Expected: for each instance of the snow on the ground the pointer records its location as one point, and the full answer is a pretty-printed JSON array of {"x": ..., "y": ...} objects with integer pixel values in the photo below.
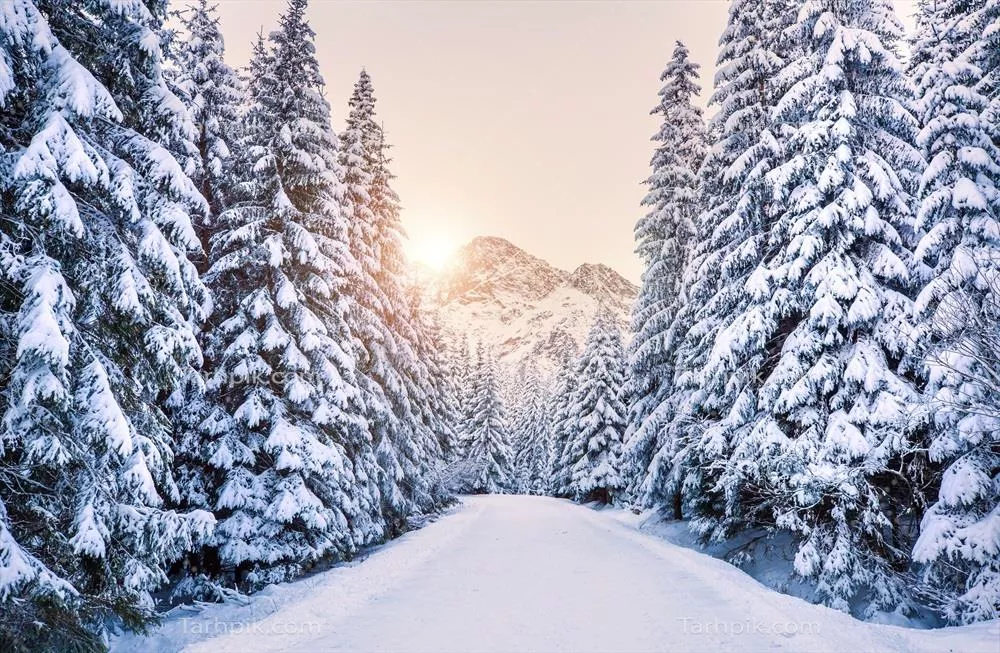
[
  {"x": 515, "y": 573},
  {"x": 767, "y": 558},
  {"x": 334, "y": 593}
]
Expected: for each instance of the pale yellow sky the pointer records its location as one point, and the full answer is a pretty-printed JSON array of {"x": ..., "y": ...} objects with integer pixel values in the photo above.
[{"x": 526, "y": 120}]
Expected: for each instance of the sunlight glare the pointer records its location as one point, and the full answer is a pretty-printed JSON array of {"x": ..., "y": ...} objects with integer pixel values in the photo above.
[{"x": 433, "y": 250}]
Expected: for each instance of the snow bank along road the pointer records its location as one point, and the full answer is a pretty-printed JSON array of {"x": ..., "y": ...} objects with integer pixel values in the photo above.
[{"x": 515, "y": 573}]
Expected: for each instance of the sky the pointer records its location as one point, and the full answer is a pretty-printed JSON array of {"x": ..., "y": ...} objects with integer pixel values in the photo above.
[{"x": 521, "y": 119}]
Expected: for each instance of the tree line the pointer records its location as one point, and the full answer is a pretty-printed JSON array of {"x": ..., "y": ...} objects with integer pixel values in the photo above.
[
  {"x": 814, "y": 345},
  {"x": 213, "y": 366},
  {"x": 214, "y": 372},
  {"x": 811, "y": 353}
]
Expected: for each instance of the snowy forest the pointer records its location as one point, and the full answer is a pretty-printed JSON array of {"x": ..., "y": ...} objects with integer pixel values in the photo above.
[{"x": 216, "y": 373}]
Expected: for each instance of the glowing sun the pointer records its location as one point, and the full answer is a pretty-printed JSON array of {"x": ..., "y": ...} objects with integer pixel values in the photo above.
[{"x": 432, "y": 249}]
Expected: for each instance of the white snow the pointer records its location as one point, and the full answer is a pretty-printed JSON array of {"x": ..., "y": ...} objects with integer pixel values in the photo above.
[{"x": 517, "y": 573}]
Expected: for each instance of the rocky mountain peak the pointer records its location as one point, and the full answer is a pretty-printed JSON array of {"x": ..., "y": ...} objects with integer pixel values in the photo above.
[
  {"x": 525, "y": 308},
  {"x": 603, "y": 283},
  {"x": 488, "y": 266}
]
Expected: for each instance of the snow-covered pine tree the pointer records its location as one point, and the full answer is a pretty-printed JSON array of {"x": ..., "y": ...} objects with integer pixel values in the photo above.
[
  {"x": 817, "y": 416},
  {"x": 518, "y": 408},
  {"x": 447, "y": 383},
  {"x": 537, "y": 471},
  {"x": 381, "y": 318},
  {"x": 753, "y": 48},
  {"x": 959, "y": 533},
  {"x": 213, "y": 94},
  {"x": 732, "y": 240},
  {"x": 563, "y": 428},
  {"x": 664, "y": 239},
  {"x": 435, "y": 395},
  {"x": 97, "y": 310},
  {"x": 489, "y": 447},
  {"x": 462, "y": 367},
  {"x": 283, "y": 434},
  {"x": 959, "y": 543},
  {"x": 459, "y": 470},
  {"x": 600, "y": 414},
  {"x": 530, "y": 434},
  {"x": 985, "y": 53}
]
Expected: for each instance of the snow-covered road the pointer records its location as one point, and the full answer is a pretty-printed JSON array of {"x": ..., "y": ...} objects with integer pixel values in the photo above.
[{"x": 514, "y": 573}]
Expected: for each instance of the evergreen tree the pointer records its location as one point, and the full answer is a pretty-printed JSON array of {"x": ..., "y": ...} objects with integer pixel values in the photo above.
[
  {"x": 958, "y": 217},
  {"x": 213, "y": 95},
  {"x": 663, "y": 241},
  {"x": 463, "y": 370},
  {"x": 278, "y": 444},
  {"x": 435, "y": 395},
  {"x": 98, "y": 303},
  {"x": 985, "y": 53},
  {"x": 537, "y": 470},
  {"x": 489, "y": 440},
  {"x": 959, "y": 533},
  {"x": 818, "y": 412},
  {"x": 383, "y": 320},
  {"x": 518, "y": 415},
  {"x": 731, "y": 241},
  {"x": 599, "y": 415},
  {"x": 531, "y": 434},
  {"x": 564, "y": 429}
]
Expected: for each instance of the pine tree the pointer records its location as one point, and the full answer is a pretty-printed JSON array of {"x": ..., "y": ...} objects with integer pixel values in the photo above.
[
  {"x": 985, "y": 53},
  {"x": 958, "y": 217},
  {"x": 383, "y": 319},
  {"x": 959, "y": 533},
  {"x": 564, "y": 429},
  {"x": 98, "y": 304},
  {"x": 489, "y": 439},
  {"x": 600, "y": 415},
  {"x": 664, "y": 239},
  {"x": 461, "y": 365},
  {"x": 435, "y": 395},
  {"x": 459, "y": 471},
  {"x": 818, "y": 413},
  {"x": 537, "y": 468},
  {"x": 731, "y": 240},
  {"x": 531, "y": 434},
  {"x": 279, "y": 442},
  {"x": 213, "y": 95}
]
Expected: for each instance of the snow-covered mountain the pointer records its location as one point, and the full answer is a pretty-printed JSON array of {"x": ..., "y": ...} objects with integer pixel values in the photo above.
[{"x": 521, "y": 306}]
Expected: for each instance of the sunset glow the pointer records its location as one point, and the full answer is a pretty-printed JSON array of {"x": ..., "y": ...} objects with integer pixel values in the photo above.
[{"x": 431, "y": 249}]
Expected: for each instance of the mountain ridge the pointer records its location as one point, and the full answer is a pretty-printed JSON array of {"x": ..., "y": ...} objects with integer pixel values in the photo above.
[{"x": 523, "y": 307}]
